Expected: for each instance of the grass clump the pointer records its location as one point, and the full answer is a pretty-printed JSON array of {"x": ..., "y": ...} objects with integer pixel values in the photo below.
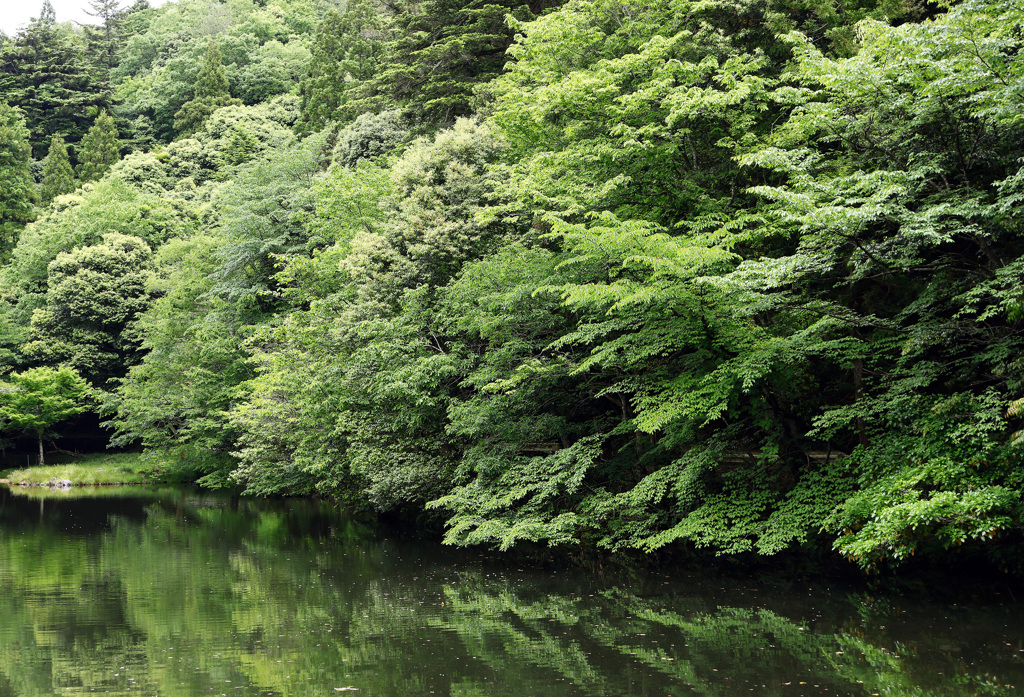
[{"x": 96, "y": 469}]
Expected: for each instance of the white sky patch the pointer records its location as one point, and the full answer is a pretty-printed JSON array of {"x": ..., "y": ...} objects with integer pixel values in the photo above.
[{"x": 15, "y": 14}]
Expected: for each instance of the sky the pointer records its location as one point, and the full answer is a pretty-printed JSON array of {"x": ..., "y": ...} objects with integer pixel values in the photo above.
[{"x": 16, "y": 13}]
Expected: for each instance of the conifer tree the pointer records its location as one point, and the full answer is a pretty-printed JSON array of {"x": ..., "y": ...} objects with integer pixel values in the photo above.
[
  {"x": 347, "y": 51},
  {"x": 58, "y": 177},
  {"x": 16, "y": 186},
  {"x": 133, "y": 19},
  {"x": 103, "y": 41},
  {"x": 44, "y": 73},
  {"x": 99, "y": 149},
  {"x": 442, "y": 50},
  {"x": 212, "y": 93},
  {"x": 240, "y": 148}
]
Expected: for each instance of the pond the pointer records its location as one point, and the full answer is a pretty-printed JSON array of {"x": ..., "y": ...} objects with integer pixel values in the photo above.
[{"x": 175, "y": 592}]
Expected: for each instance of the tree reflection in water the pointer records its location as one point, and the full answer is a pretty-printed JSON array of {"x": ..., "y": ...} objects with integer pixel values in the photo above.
[{"x": 171, "y": 592}]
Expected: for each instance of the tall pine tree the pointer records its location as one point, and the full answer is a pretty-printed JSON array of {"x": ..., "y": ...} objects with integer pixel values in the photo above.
[
  {"x": 58, "y": 177},
  {"x": 45, "y": 74},
  {"x": 441, "y": 51},
  {"x": 16, "y": 186},
  {"x": 103, "y": 41},
  {"x": 99, "y": 149},
  {"x": 212, "y": 93},
  {"x": 347, "y": 51},
  {"x": 133, "y": 19}
]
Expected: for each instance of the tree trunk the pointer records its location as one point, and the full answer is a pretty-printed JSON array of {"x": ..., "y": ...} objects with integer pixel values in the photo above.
[{"x": 41, "y": 463}]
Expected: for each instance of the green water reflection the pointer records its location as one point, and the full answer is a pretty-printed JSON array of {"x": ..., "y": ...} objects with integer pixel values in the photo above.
[{"x": 166, "y": 591}]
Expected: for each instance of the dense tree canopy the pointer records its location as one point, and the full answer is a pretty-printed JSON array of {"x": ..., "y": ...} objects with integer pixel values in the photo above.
[
  {"x": 346, "y": 53},
  {"x": 619, "y": 277},
  {"x": 211, "y": 93}
]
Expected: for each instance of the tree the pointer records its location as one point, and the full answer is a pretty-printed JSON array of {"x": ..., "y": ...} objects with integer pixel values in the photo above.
[
  {"x": 133, "y": 19},
  {"x": 38, "y": 398},
  {"x": 442, "y": 51},
  {"x": 178, "y": 396},
  {"x": 58, "y": 177},
  {"x": 110, "y": 204},
  {"x": 99, "y": 149},
  {"x": 16, "y": 186},
  {"x": 346, "y": 52},
  {"x": 275, "y": 68},
  {"x": 211, "y": 93},
  {"x": 103, "y": 42},
  {"x": 374, "y": 428},
  {"x": 43, "y": 72},
  {"x": 94, "y": 293},
  {"x": 369, "y": 137},
  {"x": 901, "y": 203}
]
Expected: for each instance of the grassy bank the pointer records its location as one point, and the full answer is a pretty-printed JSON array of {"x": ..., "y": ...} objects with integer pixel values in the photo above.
[{"x": 96, "y": 469}]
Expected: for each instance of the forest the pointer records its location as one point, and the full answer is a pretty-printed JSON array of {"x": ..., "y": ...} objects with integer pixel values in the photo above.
[{"x": 625, "y": 278}]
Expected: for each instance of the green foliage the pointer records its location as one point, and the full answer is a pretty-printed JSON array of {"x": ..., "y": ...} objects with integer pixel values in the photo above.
[
  {"x": 93, "y": 294},
  {"x": 882, "y": 195},
  {"x": 99, "y": 149},
  {"x": 43, "y": 72},
  {"x": 370, "y": 341},
  {"x": 274, "y": 69},
  {"x": 711, "y": 357},
  {"x": 215, "y": 290},
  {"x": 440, "y": 52},
  {"x": 443, "y": 186},
  {"x": 264, "y": 210},
  {"x": 346, "y": 52},
  {"x": 737, "y": 276},
  {"x": 34, "y": 400},
  {"x": 143, "y": 172},
  {"x": 264, "y": 53},
  {"x": 174, "y": 401},
  {"x": 16, "y": 187},
  {"x": 211, "y": 93},
  {"x": 102, "y": 43},
  {"x": 370, "y": 136},
  {"x": 58, "y": 177},
  {"x": 958, "y": 484},
  {"x": 82, "y": 219}
]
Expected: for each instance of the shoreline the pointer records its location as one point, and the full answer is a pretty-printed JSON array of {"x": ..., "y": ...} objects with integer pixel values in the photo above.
[
  {"x": 40, "y": 485},
  {"x": 95, "y": 469}
]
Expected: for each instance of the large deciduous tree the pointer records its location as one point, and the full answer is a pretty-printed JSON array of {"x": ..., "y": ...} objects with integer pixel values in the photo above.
[
  {"x": 93, "y": 294},
  {"x": 901, "y": 203},
  {"x": 770, "y": 267}
]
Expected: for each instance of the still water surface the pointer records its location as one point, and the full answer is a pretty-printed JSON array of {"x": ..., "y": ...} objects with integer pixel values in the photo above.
[{"x": 174, "y": 592}]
